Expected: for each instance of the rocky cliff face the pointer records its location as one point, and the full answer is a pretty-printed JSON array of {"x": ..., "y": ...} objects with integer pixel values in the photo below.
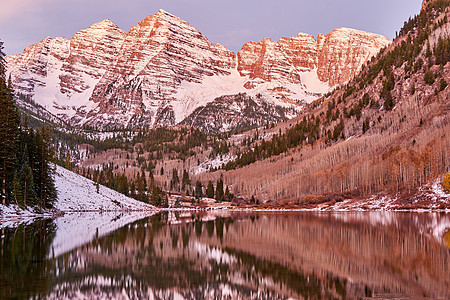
[
  {"x": 61, "y": 74},
  {"x": 335, "y": 58},
  {"x": 91, "y": 51},
  {"x": 32, "y": 68},
  {"x": 163, "y": 69},
  {"x": 158, "y": 54},
  {"x": 236, "y": 112}
]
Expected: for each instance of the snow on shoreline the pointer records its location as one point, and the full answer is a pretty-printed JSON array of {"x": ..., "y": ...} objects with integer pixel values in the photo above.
[
  {"x": 87, "y": 214},
  {"x": 75, "y": 194}
]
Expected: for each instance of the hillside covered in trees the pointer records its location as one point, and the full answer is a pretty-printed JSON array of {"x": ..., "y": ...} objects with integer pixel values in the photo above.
[{"x": 386, "y": 131}]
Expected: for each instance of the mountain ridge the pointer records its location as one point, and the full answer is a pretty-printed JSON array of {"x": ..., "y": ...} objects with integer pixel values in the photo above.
[{"x": 162, "y": 69}]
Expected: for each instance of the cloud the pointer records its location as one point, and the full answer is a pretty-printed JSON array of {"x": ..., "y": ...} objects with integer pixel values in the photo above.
[{"x": 11, "y": 9}]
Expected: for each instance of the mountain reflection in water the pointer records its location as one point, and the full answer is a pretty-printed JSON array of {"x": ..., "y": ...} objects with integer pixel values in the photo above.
[{"x": 237, "y": 255}]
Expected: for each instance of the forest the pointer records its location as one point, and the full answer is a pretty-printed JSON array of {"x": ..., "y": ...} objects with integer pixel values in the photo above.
[{"x": 25, "y": 155}]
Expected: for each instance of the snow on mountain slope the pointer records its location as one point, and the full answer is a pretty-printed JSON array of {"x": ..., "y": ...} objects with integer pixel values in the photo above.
[
  {"x": 76, "y": 193},
  {"x": 61, "y": 74},
  {"x": 334, "y": 59},
  {"x": 281, "y": 92},
  {"x": 163, "y": 69}
]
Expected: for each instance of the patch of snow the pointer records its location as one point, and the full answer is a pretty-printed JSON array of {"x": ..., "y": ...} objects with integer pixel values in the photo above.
[
  {"x": 217, "y": 162},
  {"x": 190, "y": 96},
  {"x": 76, "y": 193},
  {"x": 439, "y": 192}
]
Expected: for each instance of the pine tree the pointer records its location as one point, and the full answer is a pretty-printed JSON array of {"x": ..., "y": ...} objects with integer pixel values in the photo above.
[
  {"x": 228, "y": 195},
  {"x": 144, "y": 179},
  {"x": 9, "y": 132},
  {"x": 68, "y": 163},
  {"x": 219, "y": 191},
  {"x": 198, "y": 190},
  {"x": 141, "y": 189},
  {"x": 18, "y": 190},
  {"x": 29, "y": 195},
  {"x": 186, "y": 180},
  {"x": 174, "y": 182},
  {"x": 46, "y": 185},
  {"x": 366, "y": 125},
  {"x": 210, "y": 190},
  {"x": 156, "y": 197}
]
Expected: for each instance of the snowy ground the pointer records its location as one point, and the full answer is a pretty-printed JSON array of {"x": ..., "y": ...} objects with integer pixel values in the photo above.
[
  {"x": 217, "y": 162},
  {"x": 87, "y": 214},
  {"x": 75, "y": 194}
]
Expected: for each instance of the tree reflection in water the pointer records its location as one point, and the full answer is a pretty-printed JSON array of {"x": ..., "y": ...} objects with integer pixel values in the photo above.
[
  {"x": 255, "y": 255},
  {"x": 25, "y": 270}
]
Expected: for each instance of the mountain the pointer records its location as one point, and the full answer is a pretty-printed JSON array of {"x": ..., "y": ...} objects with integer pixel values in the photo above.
[
  {"x": 225, "y": 114},
  {"x": 61, "y": 74},
  {"x": 334, "y": 59},
  {"x": 163, "y": 69}
]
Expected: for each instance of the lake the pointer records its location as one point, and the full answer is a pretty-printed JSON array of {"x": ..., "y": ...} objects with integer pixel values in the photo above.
[{"x": 228, "y": 255}]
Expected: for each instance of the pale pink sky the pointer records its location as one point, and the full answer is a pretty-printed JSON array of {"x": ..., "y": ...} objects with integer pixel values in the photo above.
[{"x": 229, "y": 22}]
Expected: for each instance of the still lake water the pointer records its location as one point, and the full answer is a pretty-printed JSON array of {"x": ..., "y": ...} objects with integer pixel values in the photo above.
[{"x": 229, "y": 255}]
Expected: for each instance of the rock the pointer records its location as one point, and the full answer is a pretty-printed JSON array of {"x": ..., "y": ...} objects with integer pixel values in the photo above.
[
  {"x": 336, "y": 57},
  {"x": 163, "y": 69}
]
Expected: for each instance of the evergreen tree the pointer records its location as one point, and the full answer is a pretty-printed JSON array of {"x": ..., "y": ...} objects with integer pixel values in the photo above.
[
  {"x": 156, "y": 197},
  {"x": 132, "y": 190},
  {"x": 198, "y": 190},
  {"x": 174, "y": 182},
  {"x": 122, "y": 184},
  {"x": 144, "y": 179},
  {"x": 186, "y": 180},
  {"x": 45, "y": 185},
  {"x": 29, "y": 195},
  {"x": 219, "y": 191},
  {"x": 141, "y": 196},
  {"x": 429, "y": 77},
  {"x": 228, "y": 195},
  {"x": 210, "y": 190},
  {"x": 18, "y": 190},
  {"x": 9, "y": 133},
  {"x": 366, "y": 125},
  {"x": 68, "y": 163}
]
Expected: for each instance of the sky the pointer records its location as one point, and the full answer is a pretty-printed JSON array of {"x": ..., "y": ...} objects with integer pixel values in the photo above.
[{"x": 229, "y": 22}]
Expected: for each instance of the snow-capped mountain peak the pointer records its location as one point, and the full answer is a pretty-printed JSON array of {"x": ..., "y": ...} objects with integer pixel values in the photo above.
[{"x": 163, "y": 69}]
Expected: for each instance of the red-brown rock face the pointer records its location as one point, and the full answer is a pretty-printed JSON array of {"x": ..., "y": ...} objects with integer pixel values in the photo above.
[
  {"x": 338, "y": 56},
  {"x": 60, "y": 74},
  {"x": 158, "y": 54},
  {"x": 91, "y": 51},
  {"x": 31, "y": 69},
  {"x": 285, "y": 59},
  {"x": 163, "y": 69}
]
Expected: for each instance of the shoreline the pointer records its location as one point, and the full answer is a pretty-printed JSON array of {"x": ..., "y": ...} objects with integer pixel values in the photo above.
[{"x": 215, "y": 209}]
